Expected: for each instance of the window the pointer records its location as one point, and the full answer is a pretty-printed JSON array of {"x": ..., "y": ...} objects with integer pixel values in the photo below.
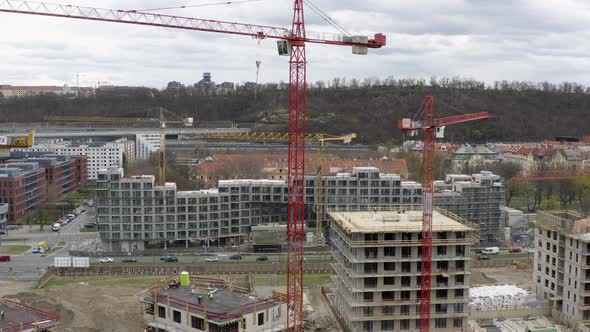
[
  {"x": 261, "y": 318},
  {"x": 161, "y": 312},
  {"x": 176, "y": 316},
  {"x": 440, "y": 323},
  {"x": 457, "y": 322},
  {"x": 404, "y": 324},
  {"x": 387, "y": 325}
]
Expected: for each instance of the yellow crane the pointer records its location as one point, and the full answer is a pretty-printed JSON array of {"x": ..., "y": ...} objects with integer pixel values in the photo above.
[
  {"x": 17, "y": 142},
  {"x": 188, "y": 122},
  {"x": 319, "y": 138}
]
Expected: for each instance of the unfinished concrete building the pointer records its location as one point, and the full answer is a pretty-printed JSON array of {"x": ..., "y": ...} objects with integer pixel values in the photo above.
[
  {"x": 475, "y": 197},
  {"x": 562, "y": 265},
  {"x": 212, "y": 306},
  {"x": 377, "y": 260}
]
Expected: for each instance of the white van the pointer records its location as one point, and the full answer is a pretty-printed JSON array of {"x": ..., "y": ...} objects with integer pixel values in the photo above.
[
  {"x": 491, "y": 251},
  {"x": 56, "y": 227}
]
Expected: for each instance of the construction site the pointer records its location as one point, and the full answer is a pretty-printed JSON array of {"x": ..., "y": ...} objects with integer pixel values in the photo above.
[{"x": 383, "y": 253}]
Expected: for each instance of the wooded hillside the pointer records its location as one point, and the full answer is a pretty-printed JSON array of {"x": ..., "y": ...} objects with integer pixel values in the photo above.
[{"x": 522, "y": 111}]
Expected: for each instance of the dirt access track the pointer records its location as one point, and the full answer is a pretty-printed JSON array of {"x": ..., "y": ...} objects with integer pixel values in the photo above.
[{"x": 87, "y": 306}]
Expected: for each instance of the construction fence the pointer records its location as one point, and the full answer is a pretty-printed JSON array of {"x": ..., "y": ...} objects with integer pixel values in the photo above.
[{"x": 272, "y": 268}]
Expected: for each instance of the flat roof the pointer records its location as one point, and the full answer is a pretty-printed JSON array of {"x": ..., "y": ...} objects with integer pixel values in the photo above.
[
  {"x": 394, "y": 221},
  {"x": 16, "y": 314},
  {"x": 226, "y": 305}
]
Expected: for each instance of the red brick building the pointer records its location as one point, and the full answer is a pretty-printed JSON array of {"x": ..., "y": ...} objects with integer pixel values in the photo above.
[
  {"x": 23, "y": 187},
  {"x": 29, "y": 184}
]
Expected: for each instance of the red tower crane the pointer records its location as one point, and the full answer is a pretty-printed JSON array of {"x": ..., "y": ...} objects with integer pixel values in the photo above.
[
  {"x": 292, "y": 43},
  {"x": 432, "y": 128}
]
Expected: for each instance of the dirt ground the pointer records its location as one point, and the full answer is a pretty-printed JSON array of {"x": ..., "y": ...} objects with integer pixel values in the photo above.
[
  {"x": 85, "y": 308},
  {"x": 503, "y": 276},
  {"x": 321, "y": 317}
]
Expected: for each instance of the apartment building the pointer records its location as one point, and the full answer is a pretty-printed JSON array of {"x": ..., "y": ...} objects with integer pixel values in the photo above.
[
  {"x": 146, "y": 144},
  {"x": 133, "y": 211},
  {"x": 100, "y": 155},
  {"x": 23, "y": 187},
  {"x": 215, "y": 308},
  {"x": 3, "y": 217},
  {"x": 377, "y": 264},
  {"x": 10, "y": 91},
  {"x": 63, "y": 174},
  {"x": 562, "y": 265},
  {"x": 475, "y": 197}
]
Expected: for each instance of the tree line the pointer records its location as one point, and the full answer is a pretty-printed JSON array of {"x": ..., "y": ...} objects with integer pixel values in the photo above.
[{"x": 521, "y": 110}]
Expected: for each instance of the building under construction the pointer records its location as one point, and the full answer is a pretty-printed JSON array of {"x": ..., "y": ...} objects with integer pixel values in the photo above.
[
  {"x": 377, "y": 260},
  {"x": 22, "y": 318},
  {"x": 206, "y": 304},
  {"x": 475, "y": 197}
]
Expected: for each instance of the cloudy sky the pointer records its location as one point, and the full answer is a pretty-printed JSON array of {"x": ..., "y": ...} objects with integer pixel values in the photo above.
[{"x": 483, "y": 39}]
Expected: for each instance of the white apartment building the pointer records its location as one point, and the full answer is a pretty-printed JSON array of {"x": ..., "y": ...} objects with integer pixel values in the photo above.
[
  {"x": 146, "y": 144},
  {"x": 100, "y": 155},
  {"x": 562, "y": 266},
  {"x": 3, "y": 216}
]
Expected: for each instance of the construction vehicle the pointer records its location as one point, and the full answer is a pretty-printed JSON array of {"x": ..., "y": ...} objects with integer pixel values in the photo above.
[
  {"x": 319, "y": 138},
  {"x": 187, "y": 122},
  {"x": 432, "y": 128},
  {"x": 291, "y": 43},
  {"x": 7, "y": 142}
]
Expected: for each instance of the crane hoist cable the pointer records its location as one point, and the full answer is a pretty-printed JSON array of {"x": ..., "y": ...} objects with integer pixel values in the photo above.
[{"x": 196, "y": 5}]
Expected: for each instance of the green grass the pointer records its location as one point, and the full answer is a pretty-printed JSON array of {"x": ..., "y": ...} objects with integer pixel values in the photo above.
[
  {"x": 61, "y": 243},
  {"x": 88, "y": 230},
  {"x": 310, "y": 280},
  {"x": 52, "y": 251},
  {"x": 103, "y": 280},
  {"x": 14, "y": 249}
]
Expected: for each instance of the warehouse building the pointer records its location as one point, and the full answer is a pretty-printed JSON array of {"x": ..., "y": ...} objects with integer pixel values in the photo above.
[
  {"x": 562, "y": 265},
  {"x": 377, "y": 260}
]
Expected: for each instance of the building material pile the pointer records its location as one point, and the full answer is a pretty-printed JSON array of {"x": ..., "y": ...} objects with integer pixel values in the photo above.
[{"x": 497, "y": 297}]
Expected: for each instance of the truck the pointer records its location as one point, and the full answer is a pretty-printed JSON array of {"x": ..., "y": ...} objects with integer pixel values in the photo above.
[
  {"x": 42, "y": 245},
  {"x": 490, "y": 251}
]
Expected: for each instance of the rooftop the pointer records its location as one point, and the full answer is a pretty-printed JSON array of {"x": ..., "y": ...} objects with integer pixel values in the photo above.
[
  {"x": 19, "y": 317},
  {"x": 223, "y": 306},
  {"x": 394, "y": 221}
]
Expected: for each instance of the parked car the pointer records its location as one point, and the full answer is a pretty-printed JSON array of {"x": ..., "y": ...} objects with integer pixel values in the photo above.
[
  {"x": 169, "y": 259},
  {"x": 36, "y": 250},
  {"x": 483, "y": 258},
  {"x": 106, "y": 260},
  {"x": 56, "y": 227},
  {"x": 491, "y": 251},
  {"x": 235, "y": 257},
  {"x": 261, "y": 258},
  {"x": 4, "y": 258},
  {"x": 211, "y": 259},
  {"x": 60, "y": 221},
  {"x": 515, "y": 250},
  {"x": 129, "y": 260},
  {"x": 71, "y": 216},
  {"x": 91, "y": 225},
  {"x": 478, "y": 251}
]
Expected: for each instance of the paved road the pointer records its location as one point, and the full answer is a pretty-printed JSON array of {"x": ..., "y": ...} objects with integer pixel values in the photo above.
[
  {"x": 221, "y": 257},
  {"x": 29, "y": 265}
]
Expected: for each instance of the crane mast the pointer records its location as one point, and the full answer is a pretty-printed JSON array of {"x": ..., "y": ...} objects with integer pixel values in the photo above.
[
  {"x": 430, "y": 126},
  {"x": 296, "y": 170}
]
